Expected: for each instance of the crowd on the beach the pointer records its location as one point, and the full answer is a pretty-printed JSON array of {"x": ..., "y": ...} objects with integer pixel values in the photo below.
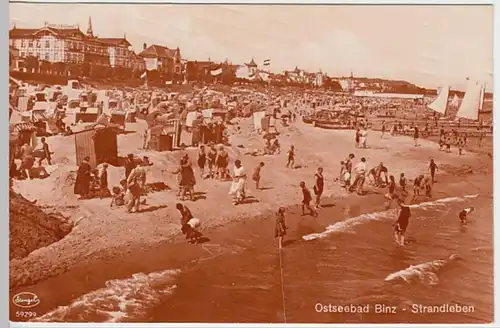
[{"x": 212, "y": 161}]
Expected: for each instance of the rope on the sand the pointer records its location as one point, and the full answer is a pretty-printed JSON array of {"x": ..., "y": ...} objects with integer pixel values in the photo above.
[{"x": 282, "y": 286}]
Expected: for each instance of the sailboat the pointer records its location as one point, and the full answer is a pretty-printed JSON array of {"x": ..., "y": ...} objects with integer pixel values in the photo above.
[
  {"x": 440, "y": 104},
  {"x": 472, "y": 102}
]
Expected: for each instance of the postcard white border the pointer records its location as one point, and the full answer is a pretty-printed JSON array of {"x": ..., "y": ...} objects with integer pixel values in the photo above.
[{"x": 4, "y": 177}]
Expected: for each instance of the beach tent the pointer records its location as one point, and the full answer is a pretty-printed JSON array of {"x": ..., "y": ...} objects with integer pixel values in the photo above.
[
  {"x": 100, "y": 144},
  {"x": 257, "y": 119}
]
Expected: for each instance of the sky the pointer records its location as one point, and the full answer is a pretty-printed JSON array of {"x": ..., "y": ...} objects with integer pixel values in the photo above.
[{"x": 428, "y": 45}]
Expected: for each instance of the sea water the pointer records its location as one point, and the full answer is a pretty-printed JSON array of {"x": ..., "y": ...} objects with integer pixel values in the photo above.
[{"x": 343, "y": 261}]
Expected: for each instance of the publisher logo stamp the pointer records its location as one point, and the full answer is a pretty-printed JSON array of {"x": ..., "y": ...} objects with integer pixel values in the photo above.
[{"x": 26, "y": 300}]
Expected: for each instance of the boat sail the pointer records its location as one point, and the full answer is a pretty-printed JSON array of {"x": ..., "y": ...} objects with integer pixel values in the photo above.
[
  {"x": 455, "y": 102},
  {"x": 440, "y": 104},
  {"x": 472, "y": 102}
]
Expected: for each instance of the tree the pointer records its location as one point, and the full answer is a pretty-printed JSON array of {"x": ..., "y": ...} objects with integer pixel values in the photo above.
[
  {"x": 45, "y": 67},
  {"x": 31, "y": 64}
]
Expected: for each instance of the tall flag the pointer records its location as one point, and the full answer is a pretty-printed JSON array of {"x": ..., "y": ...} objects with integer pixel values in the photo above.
[{"x": 267, "y": 62}]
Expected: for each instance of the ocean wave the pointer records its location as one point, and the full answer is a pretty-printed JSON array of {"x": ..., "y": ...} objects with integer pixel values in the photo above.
[
  {"x": 348, "y": 225},
  {"x": 118, "y": 301},
  {"x": 425, "y": 273}
]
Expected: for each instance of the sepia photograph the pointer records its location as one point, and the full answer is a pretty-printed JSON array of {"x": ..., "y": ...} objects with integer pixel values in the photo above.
[{"x": 237, "y": 163}]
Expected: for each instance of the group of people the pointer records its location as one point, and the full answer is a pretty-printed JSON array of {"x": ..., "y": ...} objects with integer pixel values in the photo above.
[{"x": 28, "y": 155}]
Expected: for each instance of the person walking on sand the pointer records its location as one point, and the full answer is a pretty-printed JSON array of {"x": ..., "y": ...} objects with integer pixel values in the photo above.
[
  {"x": 306, "y": 200},
  {"x": 383, "y": 130},
  {"x": 461, "y": 145},
  {"x": 46, "y": 153},
  {"x": 188, "y": 180},
  {"x": 135, "y": 185},
  {"x": 401, "y": 223},
  {"x": 319, "y": 186},
  {"x": 291, "y": 157},
  {"x": 202, "y": 159},
  {"x": 364, "y": 137},
  {"x": 256, "y": 175},
  {"x": 280, "y": 229},
  {"x": 239, "y": 183},
  {"x": 211, "y": 158},
  {"x": 433, "y": 168},
  {"x": 428, "y": 188},
  {"x": 402, "y": 182},
  {"x": 357, "y": 138}
]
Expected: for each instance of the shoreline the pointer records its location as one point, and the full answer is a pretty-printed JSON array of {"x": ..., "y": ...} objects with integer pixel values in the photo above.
[
  {"x": 82, "y": 246},
  {"x": 175, "y": 253}
]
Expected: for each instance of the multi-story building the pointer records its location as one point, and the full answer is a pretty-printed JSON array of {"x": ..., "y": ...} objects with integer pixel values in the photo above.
[
  {"x": 163, "y": 59},
  {"x": 68, "y": 44}
]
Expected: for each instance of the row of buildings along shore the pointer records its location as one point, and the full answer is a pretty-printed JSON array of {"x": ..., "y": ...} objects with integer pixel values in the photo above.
[{"x": 67, "y": 51}]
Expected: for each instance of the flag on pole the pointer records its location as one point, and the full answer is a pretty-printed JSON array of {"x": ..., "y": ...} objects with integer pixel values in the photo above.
[
  {"x": 267, "y": 62},
  {"x": 467, "y": 79},
  {"x": 216, "y": 72}
]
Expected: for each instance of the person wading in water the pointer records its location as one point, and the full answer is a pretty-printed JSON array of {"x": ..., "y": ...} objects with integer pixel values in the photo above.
[
  {"x": 318, "y": 186},
  {"x": 401, "y": 223}
]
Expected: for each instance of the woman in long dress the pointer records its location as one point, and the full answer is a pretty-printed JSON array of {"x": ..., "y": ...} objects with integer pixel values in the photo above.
[{"x": 239, "y": 183}]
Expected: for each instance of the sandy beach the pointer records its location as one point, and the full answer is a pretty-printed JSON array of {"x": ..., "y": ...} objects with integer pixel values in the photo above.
[{"x": 102, "y": 233}]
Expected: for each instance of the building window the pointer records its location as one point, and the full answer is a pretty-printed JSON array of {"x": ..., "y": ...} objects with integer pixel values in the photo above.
[
  {"x": 56, "y": 57},
  {"x": 23, "y": 54},
  {"x": 47, "y": 44},
  {"x": 30, "y": 44},
  {"x": 46, "y": 56}
]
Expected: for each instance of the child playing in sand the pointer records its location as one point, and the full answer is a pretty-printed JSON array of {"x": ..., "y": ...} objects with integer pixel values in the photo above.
[
  {"x": 291, "y": 157},
  {"x": 463, "y": 215},
  {"x": 428, "y": 188},
  {"x": 461, "y": 144},
  {"x": 189, "y": 224},
  {"x": 280, "y": 229},
  {"x": 118, "y": 197},
  {"x": 306, "y": 200},
  {"x": 402, "y": 182},
  {"x": 417, "y": 184},
  {"x": 256, "y": 174}
]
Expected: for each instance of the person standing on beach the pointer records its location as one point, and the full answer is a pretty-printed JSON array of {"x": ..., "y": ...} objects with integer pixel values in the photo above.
[
  {"x": 280, "y": 229},
  {"x": 319, "y": 186},
  {"x": 357, "y": 137},
  {"x": 239, "y": 183},
  {"x": 306, "y": 200},
  {"x": 129, "y": 165},
  {"x": 363, "y": 137},
  {"x": 256, "y": 175},
  {"x": 390, "y": 196},
  {"x": 222, "y": 162},
  {"x": 359, "y": 176},
  {"x": 383, "y": 130},
  {"x": 103, "y": 181},
  {"x": 402, "y": 182},
  {"x": 433, "y": 168},
  {"x": 202, "y": 159},
  {"x": 211, "y": 158},
  {"x": 415, "y": 135},
  {"x": 401, "y": 223},
  {"x": 291, "y": 157},
  {"x": 135, "y": 184},
  {"x": 461, "y": 144},
  {"x": 47, "y": 154}
]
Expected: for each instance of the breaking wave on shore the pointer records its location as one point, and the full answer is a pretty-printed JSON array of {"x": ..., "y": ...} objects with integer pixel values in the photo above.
[
  {"x": 426, "y": 273},
  {"x": 120, "y": 301},
  {"x": 349, "y": 224}
]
